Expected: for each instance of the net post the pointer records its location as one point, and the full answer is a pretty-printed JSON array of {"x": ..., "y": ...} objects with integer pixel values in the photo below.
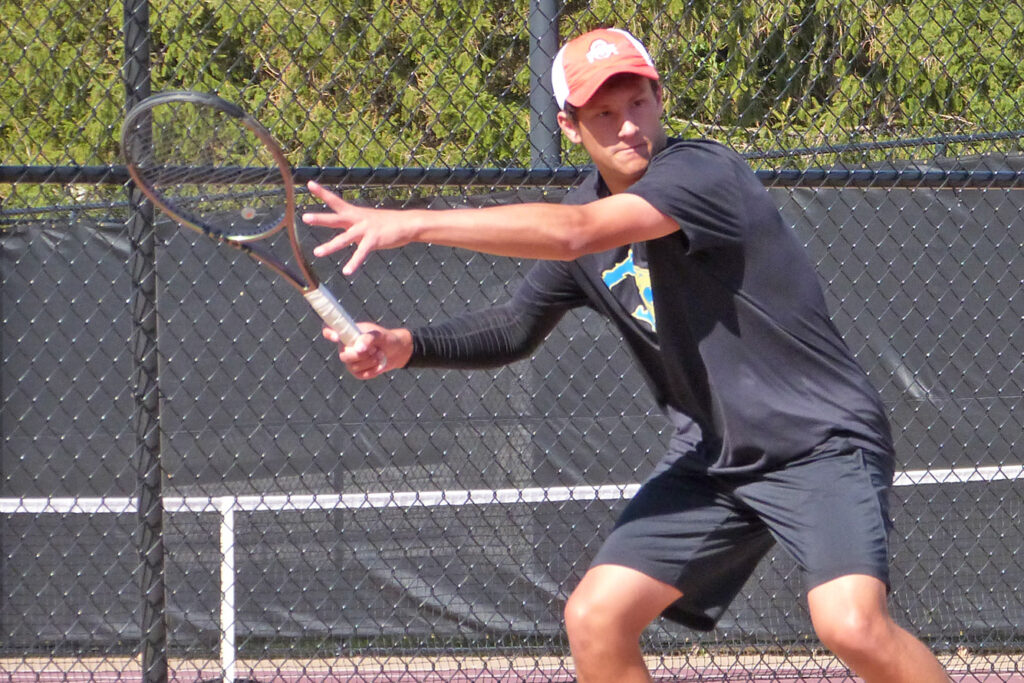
[{"x": 226, "y": 506}]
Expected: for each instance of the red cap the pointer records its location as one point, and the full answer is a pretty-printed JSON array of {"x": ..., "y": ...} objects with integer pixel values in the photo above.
[{"x": 586, "y": 62}]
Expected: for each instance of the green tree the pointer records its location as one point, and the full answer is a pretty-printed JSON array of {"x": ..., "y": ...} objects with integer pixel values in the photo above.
[{"x": 444, "y": 83}]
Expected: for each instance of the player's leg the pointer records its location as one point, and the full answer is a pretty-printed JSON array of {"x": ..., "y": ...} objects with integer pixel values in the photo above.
[
  {"x": 852, "y": 619},
  {"x": 604, "y": 618},
  {"x": 681, "y": 549},
  {"x": 830, "y": 512}
]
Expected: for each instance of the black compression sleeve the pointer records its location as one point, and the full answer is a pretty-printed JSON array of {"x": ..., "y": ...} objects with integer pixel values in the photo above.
[{"x": 483, "y": 339}]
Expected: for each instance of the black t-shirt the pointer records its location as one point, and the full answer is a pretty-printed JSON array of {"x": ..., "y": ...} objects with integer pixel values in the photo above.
[{"x": 726, "y": 317}]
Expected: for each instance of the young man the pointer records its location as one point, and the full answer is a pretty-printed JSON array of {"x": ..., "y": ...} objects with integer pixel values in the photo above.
[{"x": 778, "y": 437}]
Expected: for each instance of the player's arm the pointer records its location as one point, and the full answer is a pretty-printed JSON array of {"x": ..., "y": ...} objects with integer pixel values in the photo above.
[
  {"x": 481, "y": 339},
  {"x": 531, "y": 230}
]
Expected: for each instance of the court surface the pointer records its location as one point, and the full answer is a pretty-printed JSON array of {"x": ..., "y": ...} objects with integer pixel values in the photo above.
[{"x": 963, "y": 668}]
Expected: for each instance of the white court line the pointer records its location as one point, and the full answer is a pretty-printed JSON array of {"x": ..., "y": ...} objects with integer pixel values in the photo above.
[{"x": 410, "y": 499}]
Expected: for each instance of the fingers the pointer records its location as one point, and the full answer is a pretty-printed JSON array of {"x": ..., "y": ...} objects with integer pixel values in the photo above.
[
  {"x": 334, "y": 244},
  {"x": 357, "y": 258},
  {"x": 339, "y": 216},
  {"x": 367, "y": 229},
  {"x": 326, "y": 220},
  {"x": 346, "y": 239},
  {"x": 365, "y": 358},
  {"x": 352, "y": 235},
  {"x": 329, "y": 198}
]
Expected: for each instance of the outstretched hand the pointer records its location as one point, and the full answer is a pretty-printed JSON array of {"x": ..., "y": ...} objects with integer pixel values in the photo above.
[{"x": 369, "y": 229}]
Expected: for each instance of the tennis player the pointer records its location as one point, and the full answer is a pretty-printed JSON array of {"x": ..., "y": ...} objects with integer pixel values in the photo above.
[{"x": 778, "y": 435}]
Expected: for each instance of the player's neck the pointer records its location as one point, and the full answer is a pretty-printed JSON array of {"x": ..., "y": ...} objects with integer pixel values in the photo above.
[{"x": 619, "y": 180}]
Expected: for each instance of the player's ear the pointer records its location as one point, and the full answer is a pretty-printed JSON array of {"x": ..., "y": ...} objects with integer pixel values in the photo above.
[
  {"x": 659, "y": 92},
  {"x": 569, "y": 128}
]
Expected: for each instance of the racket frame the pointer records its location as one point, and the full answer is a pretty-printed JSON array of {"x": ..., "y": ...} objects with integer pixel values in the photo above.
[{"x": 306, "y": 281}]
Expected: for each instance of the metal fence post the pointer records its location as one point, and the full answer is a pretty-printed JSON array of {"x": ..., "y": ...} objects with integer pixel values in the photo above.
[
  {"x": 545, "y": 137},
  {"x": 153, "y": 643}
]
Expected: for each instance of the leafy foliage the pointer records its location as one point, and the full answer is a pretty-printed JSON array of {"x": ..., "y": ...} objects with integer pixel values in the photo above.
[{"x": 446, "y": 82}]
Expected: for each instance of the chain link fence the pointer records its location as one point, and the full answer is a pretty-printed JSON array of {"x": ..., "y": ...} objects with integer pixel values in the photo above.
[{"x": 191, "y": 488}]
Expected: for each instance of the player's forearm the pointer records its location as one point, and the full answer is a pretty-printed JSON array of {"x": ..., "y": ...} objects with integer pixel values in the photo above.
[
  {"x": 483, "y": 339},
  {"x": 544, "y": 231},
  {"x": 536, "y": 230}
]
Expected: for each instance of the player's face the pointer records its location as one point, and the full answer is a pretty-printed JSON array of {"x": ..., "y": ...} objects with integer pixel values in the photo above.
[{"x": 620, "y": 127}]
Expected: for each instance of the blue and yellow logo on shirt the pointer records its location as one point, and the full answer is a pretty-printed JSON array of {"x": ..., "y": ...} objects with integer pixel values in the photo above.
[{"x": 627, "y": 269}]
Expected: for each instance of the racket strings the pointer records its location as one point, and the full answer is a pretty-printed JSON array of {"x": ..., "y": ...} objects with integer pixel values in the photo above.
[{"x": 210, "y": 169}]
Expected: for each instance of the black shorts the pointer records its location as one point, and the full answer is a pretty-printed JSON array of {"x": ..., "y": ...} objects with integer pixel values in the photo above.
[{"x": 705, "y": 534}]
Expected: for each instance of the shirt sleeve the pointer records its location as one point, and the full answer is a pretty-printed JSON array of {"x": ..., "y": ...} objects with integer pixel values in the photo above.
[
  {"x": 501, "y": 334},
  {"x": 697, "y": 183}
]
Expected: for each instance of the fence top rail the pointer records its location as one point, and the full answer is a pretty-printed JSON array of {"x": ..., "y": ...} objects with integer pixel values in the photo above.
[{"x": 911, "y": 177}]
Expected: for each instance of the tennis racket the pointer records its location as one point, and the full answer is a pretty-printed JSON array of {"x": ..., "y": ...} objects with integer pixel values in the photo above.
[{"x": 215, "y": 169}]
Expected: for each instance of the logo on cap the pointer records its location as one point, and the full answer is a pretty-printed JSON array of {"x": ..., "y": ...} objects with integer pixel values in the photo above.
[{"x": 601, "y": 49}]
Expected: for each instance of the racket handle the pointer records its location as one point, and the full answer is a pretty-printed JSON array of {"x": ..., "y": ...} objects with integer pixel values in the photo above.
[{"x": 328, "y": 308}]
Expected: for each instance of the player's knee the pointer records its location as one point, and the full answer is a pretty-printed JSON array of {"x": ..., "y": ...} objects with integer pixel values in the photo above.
[
  {"x": 578, "y": 610},
  {"x": 854, "y": 635},
  {"x": 589, "y": 620}
]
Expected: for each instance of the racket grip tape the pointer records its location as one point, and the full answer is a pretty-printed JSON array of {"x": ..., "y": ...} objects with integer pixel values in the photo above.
[{"x": 336, "y": 317}]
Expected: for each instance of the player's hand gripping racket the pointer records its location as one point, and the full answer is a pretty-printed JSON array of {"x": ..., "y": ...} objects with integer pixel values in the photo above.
[{"x": 213, "y": 168}]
